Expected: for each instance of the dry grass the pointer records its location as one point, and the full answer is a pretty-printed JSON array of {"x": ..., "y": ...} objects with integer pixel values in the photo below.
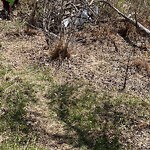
[
  {"x": 60, "y": 50},
  {"x": 141, "y": 65}
]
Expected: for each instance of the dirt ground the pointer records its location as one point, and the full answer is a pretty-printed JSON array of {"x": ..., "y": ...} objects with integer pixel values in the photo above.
[{"x": 102, "y": 62}]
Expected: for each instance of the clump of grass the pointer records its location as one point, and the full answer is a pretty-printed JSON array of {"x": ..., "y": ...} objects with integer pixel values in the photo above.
[
  {"x": 140, "y": 65},
  {"x": 14, "y": 27},
  {"x": 60, "y": 50}
]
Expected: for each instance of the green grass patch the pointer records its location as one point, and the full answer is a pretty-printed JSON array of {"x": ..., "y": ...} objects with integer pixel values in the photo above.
[
  {"x": 15, "y": 95},
  {"x": 18, "y": 89},
  {"x": 96, "y": 118}
]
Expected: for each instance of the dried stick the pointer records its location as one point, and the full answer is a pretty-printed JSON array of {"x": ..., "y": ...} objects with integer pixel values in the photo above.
[{"x": 126, "y": 75}]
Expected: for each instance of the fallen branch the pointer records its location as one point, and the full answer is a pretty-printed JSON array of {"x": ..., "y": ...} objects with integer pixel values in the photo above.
[{"x": 131, "y": 20}]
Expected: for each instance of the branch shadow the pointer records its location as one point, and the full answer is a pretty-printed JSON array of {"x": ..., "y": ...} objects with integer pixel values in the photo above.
[{"x": 95, "y": 132}]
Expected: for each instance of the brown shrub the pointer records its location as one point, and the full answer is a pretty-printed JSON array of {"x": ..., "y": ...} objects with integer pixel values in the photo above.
[{"x": 60, "y": 50}]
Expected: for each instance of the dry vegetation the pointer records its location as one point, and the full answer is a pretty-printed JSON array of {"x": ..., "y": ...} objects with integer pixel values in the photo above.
[{"x": 77, "y": 88}]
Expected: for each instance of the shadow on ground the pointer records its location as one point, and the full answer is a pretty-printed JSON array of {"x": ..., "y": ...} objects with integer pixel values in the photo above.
[{"x": 93, "y": 120}]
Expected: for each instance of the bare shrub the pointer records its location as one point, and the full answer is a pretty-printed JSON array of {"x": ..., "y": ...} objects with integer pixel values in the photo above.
[
  {"x": 64, "y": 17},
  {"x": 55, "y": 31}
]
